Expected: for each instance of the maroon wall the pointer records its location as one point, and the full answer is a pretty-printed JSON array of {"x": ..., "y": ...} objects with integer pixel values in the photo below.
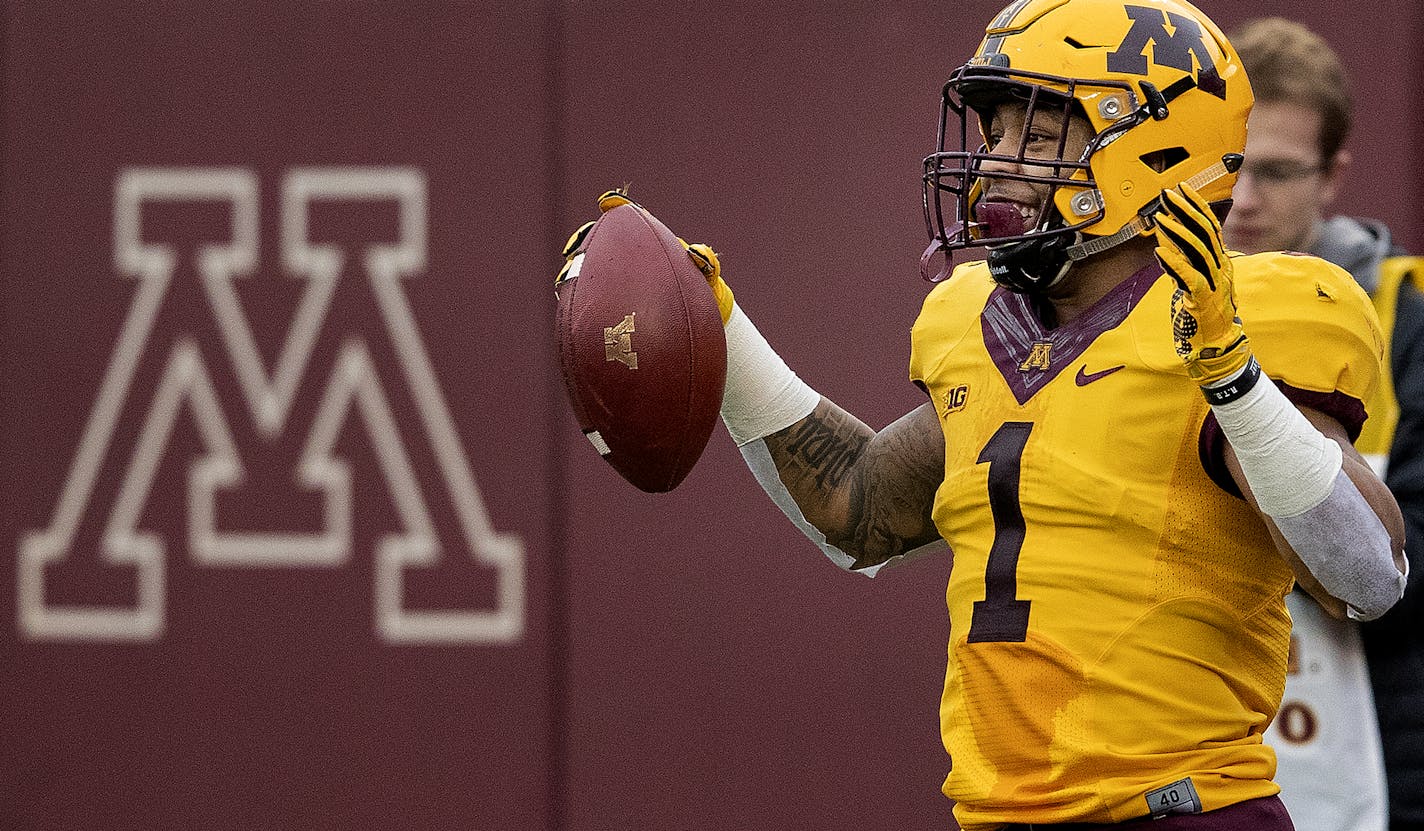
[{"x": 375, "y": 578}]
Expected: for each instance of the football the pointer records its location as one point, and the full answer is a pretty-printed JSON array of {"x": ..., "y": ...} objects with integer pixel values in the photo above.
[{"x": 641, "y": 347}]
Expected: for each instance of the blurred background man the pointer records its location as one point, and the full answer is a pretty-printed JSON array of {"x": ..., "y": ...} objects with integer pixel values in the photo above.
[{"x": 1325, "y": 735}]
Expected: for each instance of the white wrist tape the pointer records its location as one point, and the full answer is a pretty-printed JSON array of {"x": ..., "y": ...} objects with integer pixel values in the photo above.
[
  {"x": 1401, "y": 584},
  {"x": 1290, "y": 465},
  {"x": 763, "y": 395}
]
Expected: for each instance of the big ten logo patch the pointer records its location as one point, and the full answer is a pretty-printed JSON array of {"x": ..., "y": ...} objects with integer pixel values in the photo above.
[
  {"x": 274, "y": 393},
  {"x": 956, "y": 398}
]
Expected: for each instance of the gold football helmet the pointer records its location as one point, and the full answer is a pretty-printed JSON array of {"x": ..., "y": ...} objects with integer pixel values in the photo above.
[{"x": 1166, "y": 99}]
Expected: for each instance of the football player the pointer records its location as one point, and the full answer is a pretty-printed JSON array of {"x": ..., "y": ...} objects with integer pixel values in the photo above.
[{"x": 1133, "y": 443}]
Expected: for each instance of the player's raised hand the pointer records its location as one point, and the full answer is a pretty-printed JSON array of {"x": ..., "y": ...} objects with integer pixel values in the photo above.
[
  {"x": 1208, "y": 334},
  {"x": 702, "y": 255}
]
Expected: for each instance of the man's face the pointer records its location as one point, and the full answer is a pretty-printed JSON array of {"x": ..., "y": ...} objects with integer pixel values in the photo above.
[
  {"x": 1284, "y": 186},
  {"x": 1008, "y": 130}
]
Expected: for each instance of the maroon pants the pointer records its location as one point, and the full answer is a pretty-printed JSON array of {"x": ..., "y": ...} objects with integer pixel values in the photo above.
[{"x": 1264, "y": 814}]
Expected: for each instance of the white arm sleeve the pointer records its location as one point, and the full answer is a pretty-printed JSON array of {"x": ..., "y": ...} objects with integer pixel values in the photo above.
[
  {"x": 1296, "y": 476},
  {"x": 1347, "y": 548}
]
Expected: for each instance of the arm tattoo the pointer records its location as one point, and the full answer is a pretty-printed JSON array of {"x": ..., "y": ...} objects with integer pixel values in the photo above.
[
  {"x": 892, "y": 499},
  {"x": 870, "y": 494},
  {"x": 824, "y": 448}
]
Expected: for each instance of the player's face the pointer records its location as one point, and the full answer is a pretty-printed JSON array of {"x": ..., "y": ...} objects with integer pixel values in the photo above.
[
  {"x": 1284, "y": 186},
  {"x": 1007, "y": 131}
]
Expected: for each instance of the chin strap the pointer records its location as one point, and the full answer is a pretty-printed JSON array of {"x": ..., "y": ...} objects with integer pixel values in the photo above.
[
  {"x": 1031, "y": 266},
  {"x": 1230, "y": 163}
]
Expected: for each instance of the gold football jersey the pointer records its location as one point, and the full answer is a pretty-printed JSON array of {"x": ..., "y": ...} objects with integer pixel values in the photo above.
[{"x": 1118, "y": 624}]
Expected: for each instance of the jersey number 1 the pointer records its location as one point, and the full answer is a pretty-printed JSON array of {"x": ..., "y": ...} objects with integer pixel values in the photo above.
[{"x": 1001, "y": 617}]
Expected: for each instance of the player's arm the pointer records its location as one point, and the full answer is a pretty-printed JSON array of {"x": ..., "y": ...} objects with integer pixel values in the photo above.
[
  {"x": 864, "y": 497},
  {"x": 869, "y": 494},
  {"x": 1374, "y": 492},
  {"x": 1334, "y": 521}
]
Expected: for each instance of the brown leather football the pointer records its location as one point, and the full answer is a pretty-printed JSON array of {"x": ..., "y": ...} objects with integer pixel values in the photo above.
[{"x": 641, "y": 347}]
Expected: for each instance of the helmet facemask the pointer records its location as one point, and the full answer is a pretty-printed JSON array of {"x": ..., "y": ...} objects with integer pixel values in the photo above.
[
  {"x": 1165, "y": 99},
  {"x": 1023, "y": 259}
]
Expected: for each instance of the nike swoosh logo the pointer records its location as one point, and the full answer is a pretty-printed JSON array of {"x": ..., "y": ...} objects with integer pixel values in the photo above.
[{"x": 1085, "y": 379}]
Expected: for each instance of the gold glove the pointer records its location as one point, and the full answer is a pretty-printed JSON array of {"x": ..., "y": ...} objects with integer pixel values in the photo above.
[
  {"x": 702, "y": 255},
  {"x": 1208, "y": 334}
]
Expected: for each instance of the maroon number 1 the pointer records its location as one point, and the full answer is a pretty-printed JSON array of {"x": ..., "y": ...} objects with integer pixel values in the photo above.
[{"x": 1001, "y": 617}]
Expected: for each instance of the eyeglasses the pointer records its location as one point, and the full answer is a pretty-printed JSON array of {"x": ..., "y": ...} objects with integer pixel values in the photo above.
[{"x": 1278, "y": 172}]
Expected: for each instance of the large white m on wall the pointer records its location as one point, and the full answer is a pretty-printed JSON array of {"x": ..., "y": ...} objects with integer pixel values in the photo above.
[{"x": 357, "y": 383}]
